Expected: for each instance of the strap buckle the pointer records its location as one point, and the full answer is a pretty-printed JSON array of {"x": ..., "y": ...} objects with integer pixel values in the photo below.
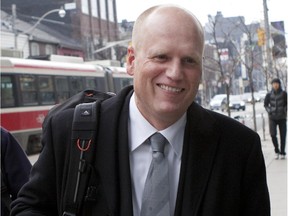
[{"x": 68, "y": 214}]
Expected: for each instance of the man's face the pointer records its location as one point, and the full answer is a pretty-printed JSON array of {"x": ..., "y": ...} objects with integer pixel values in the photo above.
[
  {"x": 275, "y": 86},
  {"x": 167, "y": 67}
]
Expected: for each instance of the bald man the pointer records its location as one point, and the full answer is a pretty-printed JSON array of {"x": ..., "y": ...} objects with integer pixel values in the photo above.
[{"x": 215, "y": 164}]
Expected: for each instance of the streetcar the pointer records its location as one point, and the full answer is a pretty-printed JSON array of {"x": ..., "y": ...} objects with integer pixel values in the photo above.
[{"x": 30, "y": 88}]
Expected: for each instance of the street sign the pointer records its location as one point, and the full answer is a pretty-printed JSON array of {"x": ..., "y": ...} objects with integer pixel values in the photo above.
[{"x": 70, "y": 6}]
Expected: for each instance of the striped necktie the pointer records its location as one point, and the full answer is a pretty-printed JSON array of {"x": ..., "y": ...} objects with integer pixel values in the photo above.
[{"x": 156, "y": 196}]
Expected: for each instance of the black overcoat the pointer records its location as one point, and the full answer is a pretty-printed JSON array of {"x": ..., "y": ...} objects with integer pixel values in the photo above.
[{"x": 222, "y": 171}]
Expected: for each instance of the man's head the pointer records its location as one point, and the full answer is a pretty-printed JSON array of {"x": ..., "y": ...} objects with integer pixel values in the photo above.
[
  {"x": 276, "y": 83},
  {"x": 166, "y": 61}
]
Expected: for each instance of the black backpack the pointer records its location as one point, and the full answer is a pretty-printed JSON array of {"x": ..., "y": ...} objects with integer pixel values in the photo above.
[{"x": 84, "y": 131}]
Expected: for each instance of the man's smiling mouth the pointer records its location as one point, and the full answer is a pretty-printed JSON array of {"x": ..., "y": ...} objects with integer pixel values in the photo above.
[{"x": 170, "y": 89}]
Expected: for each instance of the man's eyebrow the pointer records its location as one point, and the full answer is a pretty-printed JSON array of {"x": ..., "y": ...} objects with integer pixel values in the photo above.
[{"x": 194, "y": 56}]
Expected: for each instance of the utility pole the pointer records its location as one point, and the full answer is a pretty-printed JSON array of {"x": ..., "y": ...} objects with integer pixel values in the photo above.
[
  {"x": 91, "y": 33},
  {"x": 268, "y": 45},
  {"x": 14, "y": 16}
]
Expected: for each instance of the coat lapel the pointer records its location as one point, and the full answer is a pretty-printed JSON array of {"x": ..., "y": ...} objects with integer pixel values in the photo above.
[
  {"x": 112, "y": 156},
  {"x": 200, "y": 144},
  {"x": 124, "y": 163}
]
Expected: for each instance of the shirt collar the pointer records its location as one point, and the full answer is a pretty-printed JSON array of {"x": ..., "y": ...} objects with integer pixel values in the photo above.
[{"x": 141, "y": 130}]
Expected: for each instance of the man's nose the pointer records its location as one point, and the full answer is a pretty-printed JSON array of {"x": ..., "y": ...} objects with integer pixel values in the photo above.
[{"x": 174, "y": 70}]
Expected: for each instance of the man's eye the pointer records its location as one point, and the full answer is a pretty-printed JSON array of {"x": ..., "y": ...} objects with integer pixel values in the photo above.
[
  {"x": 189, "y": 61},
  {"x": 161, "y": 57}
]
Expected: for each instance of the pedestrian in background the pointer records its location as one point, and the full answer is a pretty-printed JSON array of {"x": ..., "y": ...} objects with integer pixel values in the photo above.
[
  {"x": 275, "y": 104},
  {"x": 157, "y": 151},
  {"x": 15, "y": 169}
]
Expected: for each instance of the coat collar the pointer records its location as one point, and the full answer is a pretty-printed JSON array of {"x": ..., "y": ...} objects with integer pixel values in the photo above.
[{"x": 112, "y": 156}]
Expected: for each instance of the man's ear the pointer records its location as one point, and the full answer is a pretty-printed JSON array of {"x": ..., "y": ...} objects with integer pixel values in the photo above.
[{"x": 130, "y": 61}]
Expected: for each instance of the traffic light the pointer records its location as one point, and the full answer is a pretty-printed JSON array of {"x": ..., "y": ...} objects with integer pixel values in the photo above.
[{"x": 261, "y": 36}]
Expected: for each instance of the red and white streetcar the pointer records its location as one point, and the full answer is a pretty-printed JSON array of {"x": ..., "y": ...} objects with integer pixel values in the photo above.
[{"x": 29, "y": 88}]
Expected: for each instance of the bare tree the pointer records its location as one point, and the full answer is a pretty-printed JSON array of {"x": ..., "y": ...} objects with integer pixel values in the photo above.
[
  {"x": 240, "y": 41},
  {"x": 251, "y": 61},
  {"x": 281, "y": 70},
  {"x": 222, "y": 33},
  {"x": 220, "y": 58}
]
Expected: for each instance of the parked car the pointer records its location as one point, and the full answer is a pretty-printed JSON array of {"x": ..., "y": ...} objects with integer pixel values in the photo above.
[
  {"x": 240, "y": 119},
  {"x": 247, "y": 97},
  {"x": 257, "y": 97},
  {"x": 216, "y": 101},
  {"x": 235, "y": 103},
  {"x": 262, "y": 94}
]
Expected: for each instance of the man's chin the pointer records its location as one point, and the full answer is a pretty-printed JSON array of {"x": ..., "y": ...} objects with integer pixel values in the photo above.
[{"x": 170, "y": 109}]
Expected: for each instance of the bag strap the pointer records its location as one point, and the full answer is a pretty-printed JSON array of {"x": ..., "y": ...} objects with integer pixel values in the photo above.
[{"x": 84, "y": 129}]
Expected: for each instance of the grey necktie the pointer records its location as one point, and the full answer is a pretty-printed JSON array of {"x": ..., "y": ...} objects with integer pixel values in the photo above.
[{"x": 155, "y": 200}]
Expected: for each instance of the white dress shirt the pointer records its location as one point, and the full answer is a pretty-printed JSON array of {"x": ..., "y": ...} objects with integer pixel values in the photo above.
[{"x": 140, "y": 130}]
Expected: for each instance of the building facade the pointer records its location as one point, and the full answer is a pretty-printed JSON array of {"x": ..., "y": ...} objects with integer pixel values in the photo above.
[
  {"x": 238, "y": 57},
  {"x": 89, "y": 23}
]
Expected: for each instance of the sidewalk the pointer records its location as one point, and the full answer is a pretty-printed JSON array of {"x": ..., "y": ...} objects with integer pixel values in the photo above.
[{"x": 276, "y": 176}]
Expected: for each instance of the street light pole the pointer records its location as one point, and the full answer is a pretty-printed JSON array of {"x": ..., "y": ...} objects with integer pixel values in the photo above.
[
  {"x": 60, "y": 11},
  {"x": 112, "y": 44},
  {"x": 268, "y": 36}
]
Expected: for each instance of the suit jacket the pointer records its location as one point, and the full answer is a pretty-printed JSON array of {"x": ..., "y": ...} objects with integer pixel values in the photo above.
[{"x": 222, "y": 171}]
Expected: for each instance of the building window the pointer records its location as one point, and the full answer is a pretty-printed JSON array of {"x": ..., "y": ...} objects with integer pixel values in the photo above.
[
  {"x": 111, "y": 10},
  {"x": 94, "y": 8},
  {"x": 34, "y": 49},
  {"x": 103, "y": 9},
  {"x": 84, "y": 6},
  {"x": 48, "y": 49}
]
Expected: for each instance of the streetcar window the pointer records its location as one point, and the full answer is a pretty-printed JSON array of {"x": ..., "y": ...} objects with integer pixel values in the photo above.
[
  {"x": 120, "y": 83},
  {"x": 46, "y": 89},
  {"x": 76, "y": 85},
  {"x": 28, "y": 89},
  {"x": 91, "y": 83},
  {"x": 62, "y": 84},
  {"x": 62, "y": 89},
  {"x": 7, "y": 97},
  {"x": 101, "y": 84},
  {"x": 126, "y": 82}
]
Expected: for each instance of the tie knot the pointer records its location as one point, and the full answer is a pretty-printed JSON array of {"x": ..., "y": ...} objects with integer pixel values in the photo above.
[{"x": 157, "y": 142}]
